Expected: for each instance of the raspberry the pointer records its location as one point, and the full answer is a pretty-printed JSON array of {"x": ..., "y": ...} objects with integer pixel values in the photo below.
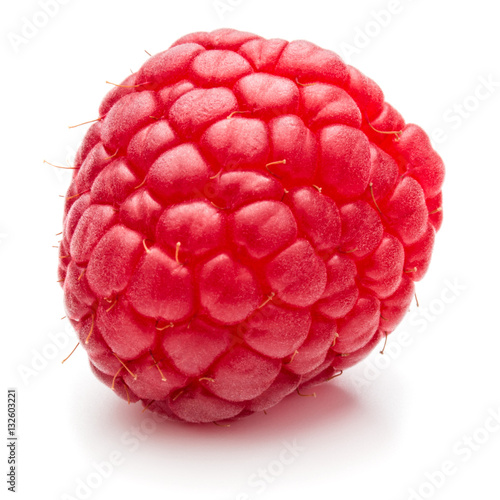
[{"x": 246, "y": 218}]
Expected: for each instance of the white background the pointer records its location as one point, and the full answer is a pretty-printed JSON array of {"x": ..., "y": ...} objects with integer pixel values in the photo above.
[{"x": 383, "y": 428}]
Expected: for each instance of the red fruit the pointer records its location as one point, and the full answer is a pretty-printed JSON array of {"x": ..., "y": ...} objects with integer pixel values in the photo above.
[{"x": 246, "y": 218}]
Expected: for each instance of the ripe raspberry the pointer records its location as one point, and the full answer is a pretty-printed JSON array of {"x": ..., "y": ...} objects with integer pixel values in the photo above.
[{"x": 246, "y": 218}]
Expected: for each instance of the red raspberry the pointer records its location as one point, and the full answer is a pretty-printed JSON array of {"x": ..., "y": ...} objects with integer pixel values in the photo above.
[{"x": 246, "y": 218}]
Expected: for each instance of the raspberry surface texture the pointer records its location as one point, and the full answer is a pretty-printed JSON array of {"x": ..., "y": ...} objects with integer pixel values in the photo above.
[{"x": 246, "y": 219}]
